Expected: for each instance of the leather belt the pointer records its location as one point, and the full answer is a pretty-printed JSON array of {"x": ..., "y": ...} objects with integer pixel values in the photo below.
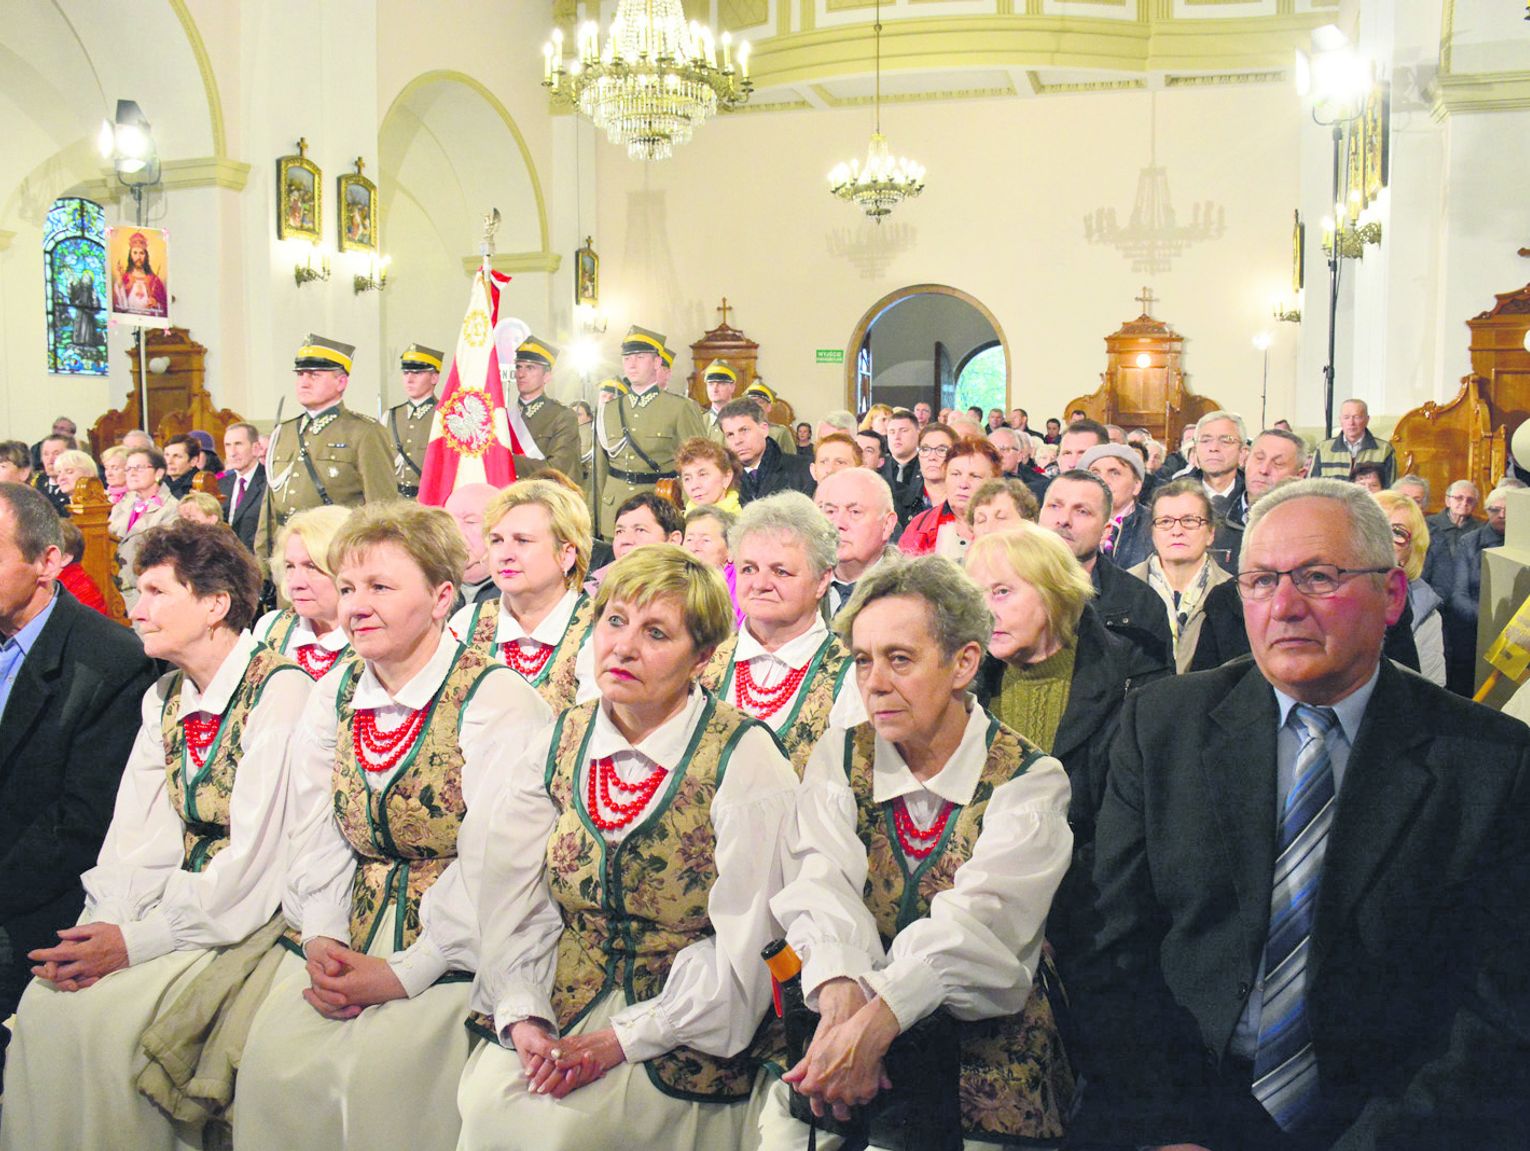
[{"x": 642, "y": 477}]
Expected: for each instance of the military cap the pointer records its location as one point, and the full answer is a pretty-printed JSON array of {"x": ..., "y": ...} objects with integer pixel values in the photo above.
[
  {"x": 668, "y": 356},
  {"x": 642, "y": 340},
  {"x": 419, "y": 358},
  {"x": 536, "y": 350},
  {"x": 719, "y": 370},
  {"x": 320, "y": 355},
  {"x": 759, "y": 388},
  {"x": 615, "y": 387}
]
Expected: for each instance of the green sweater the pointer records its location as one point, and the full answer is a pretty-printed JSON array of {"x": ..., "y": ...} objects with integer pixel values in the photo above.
[{"x": 1032, "y": 699}]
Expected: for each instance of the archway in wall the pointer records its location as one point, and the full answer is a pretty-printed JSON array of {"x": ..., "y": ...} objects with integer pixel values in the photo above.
[{"x": 914, "y": 345}]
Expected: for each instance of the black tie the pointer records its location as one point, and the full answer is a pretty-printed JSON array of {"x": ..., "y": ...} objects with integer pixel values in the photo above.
[{"x": 845, "y": 590}]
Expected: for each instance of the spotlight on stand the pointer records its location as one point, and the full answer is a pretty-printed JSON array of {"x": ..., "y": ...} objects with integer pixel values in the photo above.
[{"x": 129, "y": 145}]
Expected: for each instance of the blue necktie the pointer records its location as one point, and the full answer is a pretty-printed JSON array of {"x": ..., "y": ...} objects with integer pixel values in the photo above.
[{"x": 1285, "y": 1068}]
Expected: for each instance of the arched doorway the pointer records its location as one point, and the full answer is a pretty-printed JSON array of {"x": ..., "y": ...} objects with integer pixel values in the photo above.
[{"x": 913, "y": 345}]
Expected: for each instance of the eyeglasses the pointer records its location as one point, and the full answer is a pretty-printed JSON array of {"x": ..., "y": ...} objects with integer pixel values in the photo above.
[
  {"x": 1189, "y": 523},
  {"x": 1225, "y": 441},
  {"x": 139, "y": 468},
  {"x": 1401, "y": 534},
  {"x": 939, "y": 451},
  {"x": 1315, "y": 581}
]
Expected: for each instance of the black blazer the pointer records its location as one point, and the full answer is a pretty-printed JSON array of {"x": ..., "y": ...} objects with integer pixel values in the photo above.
[
  {"x": 1417, "y": 991},
  {"x": 247, "y": 515},
  {"x": 1134, "y": 611},
  {"x": 72, "y": 716},
  {"x": 778, "y": 472}
]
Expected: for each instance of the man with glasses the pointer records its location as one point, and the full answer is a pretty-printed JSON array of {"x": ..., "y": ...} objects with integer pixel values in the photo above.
[
  {"x": 1312, "y": 879},
  {"x": 1219, "y": 440}
]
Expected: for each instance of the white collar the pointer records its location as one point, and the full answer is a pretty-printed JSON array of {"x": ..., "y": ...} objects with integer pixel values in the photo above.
[
  {"x": 956, "y": 782},
  {"x": 248, "y": 473},
  {"x": 665, "y": 745},
  {"x": 794, "y": 653},
  {"x": 302, "y": 635},
  {"x": 419, "y": 691},
  {"x": 550, "y": 631},
  {"x": 215, "y": 699},
  {"x": 1350, "y": 710}
]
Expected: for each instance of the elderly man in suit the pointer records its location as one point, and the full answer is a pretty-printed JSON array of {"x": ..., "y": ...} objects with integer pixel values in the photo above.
[
  {"x": 244, "y": 483},
  {"x": 1312, "y": 879},
  {"x": 71, "y": 683}
]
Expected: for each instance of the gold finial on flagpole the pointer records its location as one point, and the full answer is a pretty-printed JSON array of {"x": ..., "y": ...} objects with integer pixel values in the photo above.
[{"x": 490, "y": 226}]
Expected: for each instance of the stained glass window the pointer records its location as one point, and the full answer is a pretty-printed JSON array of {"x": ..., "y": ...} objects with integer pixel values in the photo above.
[{"x": 74, "y": 278}]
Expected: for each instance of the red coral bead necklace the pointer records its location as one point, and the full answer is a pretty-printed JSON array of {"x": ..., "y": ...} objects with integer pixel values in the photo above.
[
  {"x": 604, "y": 783},
  {"x": 200, "y": 729},
  {"x": 380, "y": 751},
  {"x": 917, "y": 844},
  {"x": 528, "y": 665},
  {"x": 316, "y": 659},
  {"x": 764, "y": 702}
]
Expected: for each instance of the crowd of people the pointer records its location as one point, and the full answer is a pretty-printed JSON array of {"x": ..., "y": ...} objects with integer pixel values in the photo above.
[{"x": 1083, "y": 792}]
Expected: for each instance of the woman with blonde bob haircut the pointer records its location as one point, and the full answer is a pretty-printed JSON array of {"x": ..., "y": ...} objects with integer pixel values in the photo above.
[
  {"x": 623, "y": 899},
  {"x": 1058, "y": 676},
  {"x": 71, "y": 467},
  {"x": 1410, "y": 542},
  {"x": 921, "y": 861},
  {"x": 360, "y": 1042},
  {"x": 537, "y": 533},
  {"x": 308, "y": 629}
]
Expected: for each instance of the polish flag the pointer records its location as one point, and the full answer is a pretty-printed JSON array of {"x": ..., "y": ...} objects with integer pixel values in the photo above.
[{"x": 471, "y": 439}]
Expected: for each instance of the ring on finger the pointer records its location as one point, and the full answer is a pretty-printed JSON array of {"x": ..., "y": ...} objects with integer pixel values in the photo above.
[{"x": 556, "y": 1054}]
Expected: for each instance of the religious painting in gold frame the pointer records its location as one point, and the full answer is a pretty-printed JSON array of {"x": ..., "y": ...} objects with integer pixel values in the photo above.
[
  {"x": 1378, "y": 144},
  {"x": 587, "y": 275},
  {"x": 299, "y": 197},
  {"x": 358, "y": 211},
  {"x": 1298, "y": 253},
  {"x": 1354, "y": 184}
]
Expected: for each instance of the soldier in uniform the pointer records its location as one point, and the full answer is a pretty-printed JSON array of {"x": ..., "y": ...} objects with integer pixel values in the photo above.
[
  {"x": 721, "y": 383},
  {"x": 408, "y": 424},
  {"x": 762, "y": 395},
  {"x": 638, "y": 434},
  {"x": 553, "y": 426},
  {"x": 326, "y": 455}
]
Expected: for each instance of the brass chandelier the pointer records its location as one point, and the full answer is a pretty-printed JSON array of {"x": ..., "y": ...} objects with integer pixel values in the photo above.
[
  {"x": 882, "y": 182},
  {"x": 656, "y": 80}
]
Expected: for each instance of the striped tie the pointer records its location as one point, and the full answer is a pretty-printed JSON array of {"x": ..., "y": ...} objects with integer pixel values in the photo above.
[{"x": 1285, "y": 1068}]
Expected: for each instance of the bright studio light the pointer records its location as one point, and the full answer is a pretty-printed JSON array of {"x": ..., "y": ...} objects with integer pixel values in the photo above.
[
  {"x": 586, "y": 355},
  {"x": 1262, "y": 341}
]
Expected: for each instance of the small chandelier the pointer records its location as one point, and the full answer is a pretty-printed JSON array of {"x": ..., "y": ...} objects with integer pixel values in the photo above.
[
  {"x": 655, "y": 81},
  {"x": 883, "y": 182}
]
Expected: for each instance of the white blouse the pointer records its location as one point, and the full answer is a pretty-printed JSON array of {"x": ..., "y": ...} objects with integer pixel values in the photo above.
[
  {"x": 769, "y": 668},
  {"x": 302, "y": 634},
  {"x": 717, "y": 990},
  {"x": 138, "y": 883},
  {"x": 976, "y": 952},
  {"x": 548, "y": 633},
  {"x": 502, "y": 712}
]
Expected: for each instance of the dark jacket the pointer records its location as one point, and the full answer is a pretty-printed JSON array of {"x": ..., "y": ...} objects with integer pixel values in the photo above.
[
  {"x": 67, "y": 729},
  {"x": 56, "y": 495},
  {"x": 1416, "y": 990},
  {"x": 778, "y": 472},
  {"x": 1134, "y": 540},
  {"x": 908, "y": 494},
  {"x": 1444, "y": 542},
  {"x": 1134, "y": 611},
  {"x": 1223, "y": 636},
  {"x": 1466, "y": 585},
  {"x": 247, "y": 514}
]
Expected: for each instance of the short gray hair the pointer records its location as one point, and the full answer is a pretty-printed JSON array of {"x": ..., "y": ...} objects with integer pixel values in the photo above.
[
  {"x": 735, "y": 409},
  {"x": 247, "y": 428},
  {"x": 1213, "y": 417},
  {"x": 1463, "y": 485},
  {"x": 1371, "y": 533},
  {"x": 879, "y": 485},
  {"x": 1504, "y": 487},
  {"x": 792, "y": 514},
  {"x": 1413, "y": 481},
  {"x": 843, "y": 420},
  {"x": 958, "y": 613}
]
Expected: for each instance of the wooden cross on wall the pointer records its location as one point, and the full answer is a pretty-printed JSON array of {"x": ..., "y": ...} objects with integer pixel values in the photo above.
[
  {"x": 1146, "y": 300},
  {"x": 302, "y": 147},
  {"x": 723, "y": 308}
]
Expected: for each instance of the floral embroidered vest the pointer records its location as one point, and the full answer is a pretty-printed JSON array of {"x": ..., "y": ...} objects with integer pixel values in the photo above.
[
  {"x": 404, "y": 834},
  {"x": 1016, "y": 1080},
  {"x": 808, "y": 716},
  {"x": 200, "y": 796},
  {"x": 629, "y": 908},
  {"x": 556, "y": 682}
]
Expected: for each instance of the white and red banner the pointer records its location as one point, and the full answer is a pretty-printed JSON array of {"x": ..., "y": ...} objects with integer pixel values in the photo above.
[{"x": 471, "y": 441}]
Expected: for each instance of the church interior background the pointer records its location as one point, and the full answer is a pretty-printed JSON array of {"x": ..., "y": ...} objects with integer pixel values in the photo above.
[{"x": 1077, "y": 152}]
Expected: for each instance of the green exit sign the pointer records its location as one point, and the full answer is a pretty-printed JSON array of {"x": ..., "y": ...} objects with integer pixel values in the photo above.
[{"x": 831, "y": 355}]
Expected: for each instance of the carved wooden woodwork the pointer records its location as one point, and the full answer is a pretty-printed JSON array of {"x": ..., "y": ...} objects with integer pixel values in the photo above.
[
  {"x": 742, "y": 355},
  {"x": 1147, "y": 394},
  {"x": 90, "y": 510},
  {"x": 1467, "y": 437},
  {"x": 178, "y": 398}
]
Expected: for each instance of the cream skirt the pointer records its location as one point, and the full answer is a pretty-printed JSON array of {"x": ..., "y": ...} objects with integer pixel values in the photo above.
[
  {"x": 386, "y": 1079},
  {"x": 623, "y": 1109},
  {"x": 73, "y": 1064}
]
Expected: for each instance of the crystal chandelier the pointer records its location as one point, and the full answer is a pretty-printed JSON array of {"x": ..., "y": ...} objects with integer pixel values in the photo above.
[
  {"x": 882, "y": 182},
  {"x": 656, "y": 79}
]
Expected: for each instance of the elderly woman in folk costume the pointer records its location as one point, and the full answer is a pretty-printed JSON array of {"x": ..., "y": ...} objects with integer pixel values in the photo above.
[
  {"x": 784, "y": 667},
  {"x": 923, "y": 855},
  {"x": 309, "y": 630},
  {"x": 538, "y": 548},
  {"x": 360, "y": 1042},
  {"x": 192, "y": 862},
  {"x": 623, "y": 895}
]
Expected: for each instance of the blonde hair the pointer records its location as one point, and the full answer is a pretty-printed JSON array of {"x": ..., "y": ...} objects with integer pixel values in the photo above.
[
  {"x": 115, "y": 452},
  {"x": 872, "y": 413},
  {"x": 81, "y": 461},
  {"x": 568, "y": 517},
  {"x": 1415, "y": 522},
  {"x": 428, "y": 536},
  {"x": 316, "y": 527},
  {"x": 204, "y": 503},
  {"x": 658, "y": 570},
  {"x": 1041, "y": 559}
]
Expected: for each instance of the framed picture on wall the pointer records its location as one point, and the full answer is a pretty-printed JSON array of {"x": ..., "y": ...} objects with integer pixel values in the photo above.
[
  {"x": 299, "y": 197},
  {"x": 1298, "y": 253},
  {"x": 1377, "y": 120},
  {"x": 587, "y": 274},
  {"x": 358, "y": 212}
]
